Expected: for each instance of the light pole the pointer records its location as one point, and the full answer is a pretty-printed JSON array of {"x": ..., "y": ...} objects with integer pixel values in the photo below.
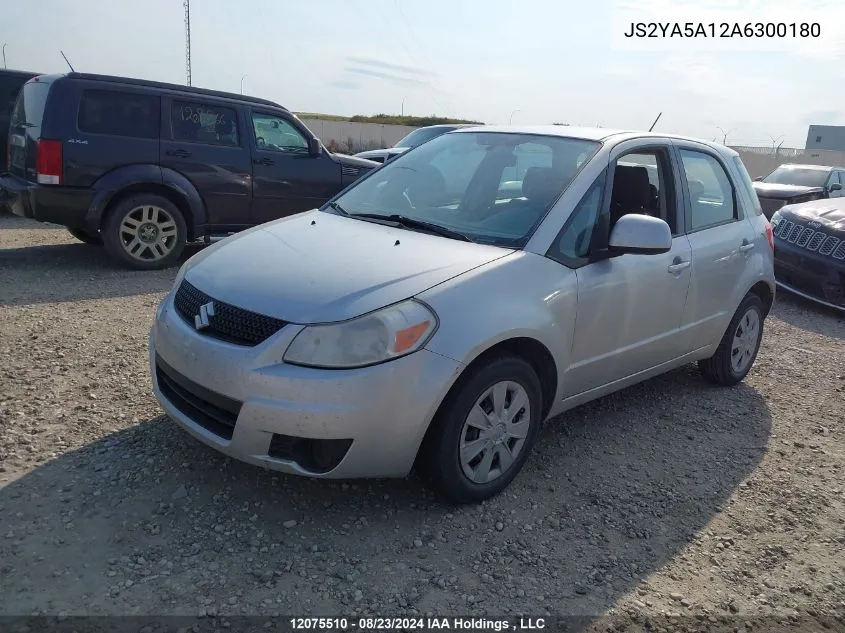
[
  {"x": 242, "y": 83},
  {"x": 510, "y": 119},
  {"x": 725, "y": 134},
  {"x": 4, "y": 54},
  {"x": 403, "y": 105}
]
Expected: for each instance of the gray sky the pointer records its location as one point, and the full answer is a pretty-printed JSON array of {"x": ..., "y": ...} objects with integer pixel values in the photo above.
[{"x": 541, "y": 61}]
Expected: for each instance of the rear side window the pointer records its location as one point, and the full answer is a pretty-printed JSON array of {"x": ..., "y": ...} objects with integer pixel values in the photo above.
[
  {"x": 10, "y": 86},
  {"x": 119, "y": 114},
  {"x": 710, "y": 190},
  {"x": 204, "y": 123},
  {"x": 748, "y": 184},
  {"x": 29, "y": 108}
]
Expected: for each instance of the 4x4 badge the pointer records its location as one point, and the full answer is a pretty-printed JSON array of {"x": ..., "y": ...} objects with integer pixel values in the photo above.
[{"x": 206, "y": 311}]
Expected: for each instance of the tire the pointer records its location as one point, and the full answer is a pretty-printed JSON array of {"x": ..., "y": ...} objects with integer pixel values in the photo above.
[
  {"x": 145, "y": 232},
  {"x": 720, "y": 368},
  {"x": 84, "y": 236},
  {"x": 440, "y": 456}
]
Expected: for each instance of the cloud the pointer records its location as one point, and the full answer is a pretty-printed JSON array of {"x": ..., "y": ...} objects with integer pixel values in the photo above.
[
  {"x": 405, "y": 81},
  {"x": 375, "y": 63}
]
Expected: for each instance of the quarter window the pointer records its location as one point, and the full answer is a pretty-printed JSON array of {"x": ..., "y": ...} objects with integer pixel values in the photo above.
[
  {"x": 204, "y": 123},
  {"x": 119, "y": 114},
  {"x": 711, "y": 193},
  {"x": 572, "y": 247},
  {"x": 277, "y": 135}
]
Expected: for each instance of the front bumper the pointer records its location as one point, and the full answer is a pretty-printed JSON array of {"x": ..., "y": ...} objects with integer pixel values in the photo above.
[
  {"x": 819, "y": 278},
  {"x": 67, "y": 206},
  {"x": 384, "y": 410}
]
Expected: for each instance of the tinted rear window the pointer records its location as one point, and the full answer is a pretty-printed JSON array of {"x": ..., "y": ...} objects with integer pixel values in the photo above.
[
  {"x": 29, "y": 107},
  {"x": 119, "y": 113},
  {"x": 10, "y": 86}
]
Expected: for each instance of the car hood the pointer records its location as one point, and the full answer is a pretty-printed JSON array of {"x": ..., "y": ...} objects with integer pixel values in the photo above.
[
  {"x": 355, "y": 161},
  {"x": 772, "y": 190},
  {"x": 829, "y": 214},
  {"x": 318, "y": 267}
]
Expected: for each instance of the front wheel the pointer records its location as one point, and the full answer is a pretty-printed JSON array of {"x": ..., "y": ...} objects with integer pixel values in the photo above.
[
  {"x": 739, "y": 346},
  {"x": 484, "y": 431},
  {"x": 145, "y": 232}
]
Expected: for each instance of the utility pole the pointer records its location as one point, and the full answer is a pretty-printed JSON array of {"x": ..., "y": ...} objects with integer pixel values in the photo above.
[
  {"x": 403, "y": 105},
  {"x": 510, "y": 119},
  {"x": 187, "y": 4},
  {"x": 242, "y": 83},
  {"x": 724, "y": 134},
  {"x": 4, "y": 54}
]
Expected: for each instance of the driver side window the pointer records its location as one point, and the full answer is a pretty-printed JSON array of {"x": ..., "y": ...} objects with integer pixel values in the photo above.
[{"x": 275, "y": 134}]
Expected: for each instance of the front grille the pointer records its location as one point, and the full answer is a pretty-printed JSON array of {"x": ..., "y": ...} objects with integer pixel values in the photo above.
[
  {"x": 212, "y": 411},
  {"x": 810, "y": 239},
  {"x": 228, "y": 322}
]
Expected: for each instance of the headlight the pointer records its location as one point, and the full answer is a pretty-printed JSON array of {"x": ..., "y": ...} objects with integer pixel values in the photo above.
[{"x": 366, "y": 340}]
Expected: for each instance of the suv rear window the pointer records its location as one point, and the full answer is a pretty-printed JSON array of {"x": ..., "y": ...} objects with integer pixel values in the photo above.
[
  {"x": 29, "y": 108},
  {"x": 204, "y": 123},
  {"x": 119, "y": 113},
  {"x": 748, "y": 184}
]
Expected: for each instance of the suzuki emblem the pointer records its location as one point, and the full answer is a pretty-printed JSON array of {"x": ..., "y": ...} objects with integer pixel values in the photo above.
[{"x": 201, "y": 320}]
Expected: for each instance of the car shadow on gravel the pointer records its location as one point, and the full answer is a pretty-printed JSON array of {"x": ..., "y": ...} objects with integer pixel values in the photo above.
[
  {"x": 149, "y": 519},
  {"x": 809, "y": 316},
  {"x": 69, "y": 272}
]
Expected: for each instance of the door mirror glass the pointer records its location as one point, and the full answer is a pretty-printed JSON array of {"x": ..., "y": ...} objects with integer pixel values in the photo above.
[
  {"x": 315, "y": 147},
  {"x": 640, "y": 234},
  {"x": 835, "y": 186}
]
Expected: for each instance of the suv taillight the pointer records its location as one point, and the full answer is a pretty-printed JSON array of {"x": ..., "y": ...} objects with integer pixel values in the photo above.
[
  {"x": 48, "y": 162},
  {"x": 770, "y": 235}
]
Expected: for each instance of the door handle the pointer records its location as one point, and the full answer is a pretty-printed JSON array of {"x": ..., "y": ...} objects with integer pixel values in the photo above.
[
  {"x": 678, "y": 265},
  {"x": 264, "y": 161},
  {"x": 178, "y": 153},
  {"x": 746, "y": 246}
]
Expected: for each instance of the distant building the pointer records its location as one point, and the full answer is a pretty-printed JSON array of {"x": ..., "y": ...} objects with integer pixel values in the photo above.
[{"x": 828, "y": 137}]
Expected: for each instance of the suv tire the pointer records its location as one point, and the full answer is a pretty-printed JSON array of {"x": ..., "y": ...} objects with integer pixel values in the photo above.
[
  {"x": 145, "y": 232},
  {"x": 738, "y": 348},
  {"x": 86, "y": 236},
  {"x": 455, "y": 447}
]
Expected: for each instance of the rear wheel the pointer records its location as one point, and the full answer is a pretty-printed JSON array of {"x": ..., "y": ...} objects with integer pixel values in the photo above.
[
  {"x": 484, "y": 431},
  {"x": 145, "y": 232},
  {"x": 739, "y": 346},
  {"x": 86, "y": 236}
]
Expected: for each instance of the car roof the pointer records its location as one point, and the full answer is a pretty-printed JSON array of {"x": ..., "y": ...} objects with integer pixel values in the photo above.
[
  {"x": 147, "y": 83},
  {"x": 814, "y": 167},
  {"x": 588, "y": 134},
  {"x": 16, "y": 73}
]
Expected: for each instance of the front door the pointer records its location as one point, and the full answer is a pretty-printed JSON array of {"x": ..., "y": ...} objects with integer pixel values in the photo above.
[
  {"x": 629, "y": 306},
  {"x": 204, "y": 142},
  {"x": 287, "y": 178}
]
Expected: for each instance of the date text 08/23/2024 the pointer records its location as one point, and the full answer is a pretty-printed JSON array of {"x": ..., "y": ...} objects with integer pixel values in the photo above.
[
  {"x": 416, "y": 623},
  {"x": 717, "y": 30}
]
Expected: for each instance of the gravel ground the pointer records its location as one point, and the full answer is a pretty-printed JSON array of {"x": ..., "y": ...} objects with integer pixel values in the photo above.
[{"x": 672, "y": 499}]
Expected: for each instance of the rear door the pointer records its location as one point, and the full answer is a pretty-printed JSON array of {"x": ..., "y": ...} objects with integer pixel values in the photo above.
[
  {"x": 104, "y": 128},
  {"x": 721, "y": 239},
  {"x": 287, "y": 179},
  {"x": 203, "y": 140}
]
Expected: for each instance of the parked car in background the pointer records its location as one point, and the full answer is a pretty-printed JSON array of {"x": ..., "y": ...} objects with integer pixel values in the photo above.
[
  {"x": 143, "y": 167},
  {"x": 11, "y": 81},
  {"x": 793, "y": 184},
  {"x": 415, "y": 138},
  {"x": 437, "y": 311},
  {"x": 810, "y": 250}
]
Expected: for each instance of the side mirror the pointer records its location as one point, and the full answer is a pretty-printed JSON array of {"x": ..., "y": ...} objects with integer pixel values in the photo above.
[
  {"x": 758, "y": 179},
  {"x": 640, "y": 234},
  {"x": 315, "y": 147},
  {"x": 835, "y": 187}
]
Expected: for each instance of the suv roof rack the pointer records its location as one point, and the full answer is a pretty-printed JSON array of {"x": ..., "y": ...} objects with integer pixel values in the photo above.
[{"x": 175, "y": 87}]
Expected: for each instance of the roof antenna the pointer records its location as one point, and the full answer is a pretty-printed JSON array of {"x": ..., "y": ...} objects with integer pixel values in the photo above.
[
  {"x": 67, "y": 62},
  {"x": 655, "y": 122}
]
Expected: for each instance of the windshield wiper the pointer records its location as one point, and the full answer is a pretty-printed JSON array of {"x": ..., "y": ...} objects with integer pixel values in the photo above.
[
  {"x": 336, "y": 207},
  {"x": 412, "y": 223}
]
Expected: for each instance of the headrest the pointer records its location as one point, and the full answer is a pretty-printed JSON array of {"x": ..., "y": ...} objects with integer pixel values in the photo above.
[
  {"x": 631, "y": 186},
  {"x": 541, "y": 184}
]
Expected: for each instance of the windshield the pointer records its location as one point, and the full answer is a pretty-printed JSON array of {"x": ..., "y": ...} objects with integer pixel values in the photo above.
[
  {"x": 805, "y": 177},
  {"x": 421, "y": 135},
  {"x": 493, "y": 188}
]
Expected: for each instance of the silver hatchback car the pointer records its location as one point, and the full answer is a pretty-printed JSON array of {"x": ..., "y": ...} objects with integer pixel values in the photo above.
[{"x": 441, "y": 308}]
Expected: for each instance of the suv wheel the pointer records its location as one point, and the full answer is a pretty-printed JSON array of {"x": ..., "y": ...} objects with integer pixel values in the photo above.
[
  {"x": 484, "y": 431},
  {"x": 739, "y": 346},
  {"x": 145, "y": 232},
  {"x": 86, "y": 236}
]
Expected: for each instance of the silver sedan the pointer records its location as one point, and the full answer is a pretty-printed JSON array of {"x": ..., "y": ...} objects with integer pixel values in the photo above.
[{"x": 444, "y": 306}]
